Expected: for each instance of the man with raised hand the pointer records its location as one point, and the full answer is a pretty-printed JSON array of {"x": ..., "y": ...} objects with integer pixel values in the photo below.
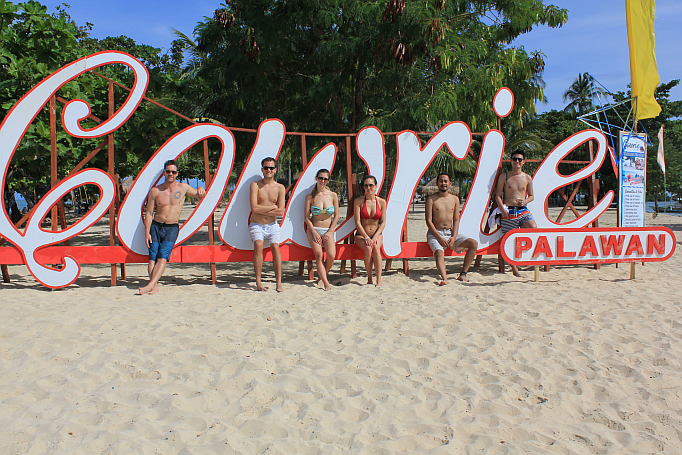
[
  {"x": 517, "y": 187},
  {"x": 442, "y": 219},
  {"x": 267, "y": 203},
  {"x": 162, "y": 228}
]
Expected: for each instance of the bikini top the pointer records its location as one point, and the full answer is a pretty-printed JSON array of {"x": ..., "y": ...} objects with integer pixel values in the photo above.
[
  {"x": 364, "y": 214},
  {"x": 318, "y": 211}
]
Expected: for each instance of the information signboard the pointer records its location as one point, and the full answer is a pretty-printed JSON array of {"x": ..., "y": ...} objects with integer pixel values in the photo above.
[{"x": 632, "y": 179}]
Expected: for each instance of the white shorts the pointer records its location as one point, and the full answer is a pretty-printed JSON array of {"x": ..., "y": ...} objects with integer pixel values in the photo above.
[
  {"x": 322, "y": 231},
  {"x": 446, "y": 234},
  {"x": 269, "y": 232}
]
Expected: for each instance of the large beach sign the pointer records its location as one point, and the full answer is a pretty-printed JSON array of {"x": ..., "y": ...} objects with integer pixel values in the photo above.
[{"x": 413, "y": 160}]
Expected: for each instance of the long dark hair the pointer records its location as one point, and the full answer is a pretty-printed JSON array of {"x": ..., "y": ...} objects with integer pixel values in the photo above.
[
  {"x": 315, "y": 190},
  {"x": 368, "y": 176}
]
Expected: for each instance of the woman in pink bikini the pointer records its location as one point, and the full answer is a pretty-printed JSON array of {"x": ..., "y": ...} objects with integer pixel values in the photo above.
[
  {"x": 322, "y": 214},
  {"x": 370, "y": 220}
]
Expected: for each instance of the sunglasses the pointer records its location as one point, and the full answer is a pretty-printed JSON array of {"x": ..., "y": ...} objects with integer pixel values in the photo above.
[
  {"x": 324, "y": 179},
  {"x": 369, "y": 185},
  {"x": 517, "y": 159},
  {"x": 269, "y": 168},
  {"x": 170, "y": 172}
]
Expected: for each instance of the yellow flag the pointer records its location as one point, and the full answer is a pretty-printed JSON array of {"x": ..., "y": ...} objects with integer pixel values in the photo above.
[{"x": 643, "y": 71}]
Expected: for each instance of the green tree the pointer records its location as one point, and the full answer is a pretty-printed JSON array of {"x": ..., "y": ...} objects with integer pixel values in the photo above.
[
  {"x": 339, "y": 65},
  {"x": 581, "y": 94},
  {"x": 35, "y": 43}
]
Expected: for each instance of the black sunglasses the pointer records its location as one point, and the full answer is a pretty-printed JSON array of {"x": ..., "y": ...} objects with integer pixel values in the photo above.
[
  {"x": 269, "y": 168},
  {"x": 170, "y": 172},
  {"x": 326, "y": 179},
  {"x": 369, "y": 185},
  {"x": 517, "y": 159}
]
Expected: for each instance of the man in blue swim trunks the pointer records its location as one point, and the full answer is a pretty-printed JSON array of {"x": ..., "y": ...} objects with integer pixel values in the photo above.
[
  {"x": 517, "y": 187},
  {"x": 162, "y": 228}
]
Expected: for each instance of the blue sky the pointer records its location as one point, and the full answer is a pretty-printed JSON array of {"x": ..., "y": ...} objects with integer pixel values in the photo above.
[{"x": 594, "y": 40}]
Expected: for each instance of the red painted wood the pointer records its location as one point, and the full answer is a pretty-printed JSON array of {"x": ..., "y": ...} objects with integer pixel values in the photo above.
[{"x": 193, "y": 254}]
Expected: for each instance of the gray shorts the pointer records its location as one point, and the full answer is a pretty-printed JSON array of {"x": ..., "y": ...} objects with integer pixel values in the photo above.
[
  {"x": 269, "y": 232},
  {"x": 446, "y": 234}
]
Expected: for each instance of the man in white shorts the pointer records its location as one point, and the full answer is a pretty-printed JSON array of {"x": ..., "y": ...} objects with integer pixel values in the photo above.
[
  {"x": 442, "y": 219},
  {"x": 267, "y": 203}
]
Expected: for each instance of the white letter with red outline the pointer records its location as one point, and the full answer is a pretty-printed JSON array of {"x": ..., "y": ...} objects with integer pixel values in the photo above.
[
  {"x": 370, "y": 146},
  {"x": 130, "y": 225},
  {"x": 293, "y": 219},
  {"x": 13, "y": 128},
  {"x": 547, "y": 179},
  {"x": 412, "y": 162},
  {"x": 234, "y": 225}
]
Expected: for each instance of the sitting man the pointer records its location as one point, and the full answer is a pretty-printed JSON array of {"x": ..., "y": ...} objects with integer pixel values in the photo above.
[
  {"x": 442, "y": 219},
  {"x": 162, "y": 228},
  {"x": 267, "y": 203},
  {"x": 517, "y": 187}
]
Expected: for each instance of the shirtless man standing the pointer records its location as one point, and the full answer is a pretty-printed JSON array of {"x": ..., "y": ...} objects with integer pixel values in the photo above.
[
  {"x": 517, "y": 187},
  {"x": 161, "y": 230},
  {"x": 267, "y": 203},
  {"x": 442, "y": 219}
]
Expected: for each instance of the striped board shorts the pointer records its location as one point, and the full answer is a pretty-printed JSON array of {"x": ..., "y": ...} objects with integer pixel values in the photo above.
[{"x": 517, "y": 217}]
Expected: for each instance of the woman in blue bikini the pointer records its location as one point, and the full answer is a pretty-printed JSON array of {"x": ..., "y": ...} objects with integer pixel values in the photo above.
[{"x": 322, "y": 214}]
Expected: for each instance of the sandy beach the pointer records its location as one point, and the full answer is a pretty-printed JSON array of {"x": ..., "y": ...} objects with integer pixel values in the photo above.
[{"x": 583, "y": 362}]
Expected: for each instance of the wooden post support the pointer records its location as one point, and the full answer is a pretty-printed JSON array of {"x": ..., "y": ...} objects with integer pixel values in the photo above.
[
  {"x": 110, "y": 152},
  {"x": 537, "y": 273},
  {"x": 53, "y": 157},
  {"x": 304, "y": 162},
  {"x": 406, "y": 262},
  {"x": 632, "y": 270},
  {"x": 119, "y": 190},
  {"x": 211, "y": 220},
  {"x": 594, "y": 190}
]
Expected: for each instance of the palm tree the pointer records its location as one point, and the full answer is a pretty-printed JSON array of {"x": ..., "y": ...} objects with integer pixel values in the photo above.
[{"x": 581, "y": 93}]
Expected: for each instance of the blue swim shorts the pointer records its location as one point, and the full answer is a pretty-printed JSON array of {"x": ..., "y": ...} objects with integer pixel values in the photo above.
[{"x": 163, "y": 239}]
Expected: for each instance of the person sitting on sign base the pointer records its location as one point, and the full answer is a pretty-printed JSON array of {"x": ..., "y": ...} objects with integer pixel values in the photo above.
[
  {"x": 442, "y": 219},
  {"x": 322, "y": 214},
  {"x": 370, "y": 221},
  {"x": 162, "y": 228},
  {"x": 517, "y": 187}
]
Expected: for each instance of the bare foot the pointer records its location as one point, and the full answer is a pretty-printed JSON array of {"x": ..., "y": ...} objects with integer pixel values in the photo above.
[
  {"x": 328, "y": 287},
  {"x": 518, "y": 274},
  {"x": 154, "y": 290},
  {"x": 260, "y": 287},
  {"x": 379, "y": 283},
  {"x": 462, "y": 277},
  {"x": 369, "y": 281},
  {"x": 142, "y": 291},
  {"x": 443, "y": 283},
  {"x": 279, "y": 288}
]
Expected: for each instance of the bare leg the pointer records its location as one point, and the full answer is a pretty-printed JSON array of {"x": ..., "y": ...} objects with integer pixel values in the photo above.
[
  {"x": 258, "y": 263},
  {"x": 472, "y": 246},
  {"x": 377, "y": 259},
  {"x": 439, "y": 256},
  {"x": 150, "y": 267},
  {"x": 330, "y": 246},
  {"x": 277, "y": 265},
  {"x": 157, "y": 272},
  {"x": 528, "y": 225},
  {"x": 359, "y": 241},
  {"x": 319, "y": 260}
]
